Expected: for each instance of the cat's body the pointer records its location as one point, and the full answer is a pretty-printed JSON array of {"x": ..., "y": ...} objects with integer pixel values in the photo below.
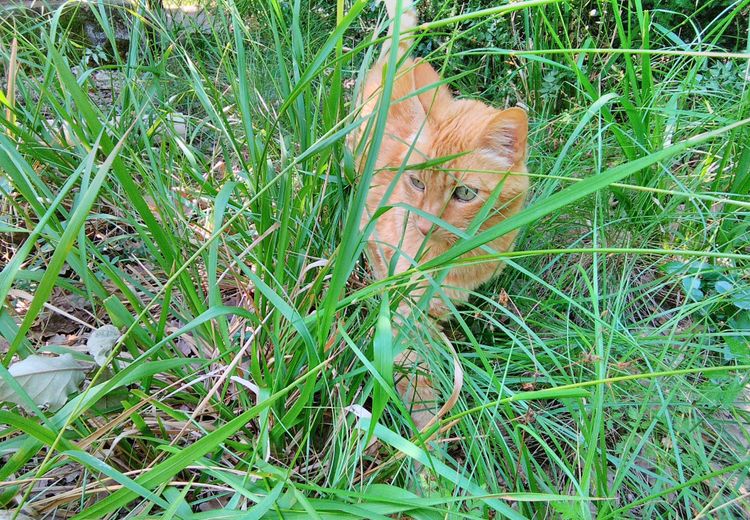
[{"x": 487, "y": 151}]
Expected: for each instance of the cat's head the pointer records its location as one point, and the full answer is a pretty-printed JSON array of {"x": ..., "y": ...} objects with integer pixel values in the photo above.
[{"x": 449, "y": 156}]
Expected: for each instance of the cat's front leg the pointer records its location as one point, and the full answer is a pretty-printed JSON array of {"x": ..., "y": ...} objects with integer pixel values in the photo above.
[{"x": 414, "y": 383}]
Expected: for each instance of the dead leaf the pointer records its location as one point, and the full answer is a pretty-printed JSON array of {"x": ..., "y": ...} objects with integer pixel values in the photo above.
[
  {"x": 101, "y": 342},
  {"x": 11, "y": 515},
  {"x": 47, "y": 380}
]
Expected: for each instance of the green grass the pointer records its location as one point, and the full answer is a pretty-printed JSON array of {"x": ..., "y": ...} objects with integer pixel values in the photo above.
[{"x": 208, "y": 209}]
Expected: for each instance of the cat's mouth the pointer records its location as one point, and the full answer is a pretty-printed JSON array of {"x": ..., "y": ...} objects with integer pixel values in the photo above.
[{"x": 434, "y": 234}]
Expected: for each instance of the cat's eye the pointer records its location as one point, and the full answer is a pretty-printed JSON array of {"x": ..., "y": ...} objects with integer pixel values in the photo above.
[
  {"x": 464, "y": 194},
  {"x": 416, "y": 183}
]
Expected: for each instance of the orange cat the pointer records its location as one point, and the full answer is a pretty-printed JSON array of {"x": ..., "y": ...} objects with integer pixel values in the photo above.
[{"x": 486, "y": 151}]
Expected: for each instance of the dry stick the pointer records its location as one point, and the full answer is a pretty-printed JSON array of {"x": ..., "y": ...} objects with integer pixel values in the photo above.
[
  {"x": 730, "y": 503},
  {"x": 247, "y": 250},
  {"x": 47, "y": 504},
  {"x": 23, "y": 295}
]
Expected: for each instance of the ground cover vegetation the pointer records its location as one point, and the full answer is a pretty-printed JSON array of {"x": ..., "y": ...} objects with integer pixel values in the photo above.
[{"x": 179, "y": 232}]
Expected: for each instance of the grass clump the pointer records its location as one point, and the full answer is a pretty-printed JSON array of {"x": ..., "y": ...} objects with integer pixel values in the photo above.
[{"x": 194, "y": 191}]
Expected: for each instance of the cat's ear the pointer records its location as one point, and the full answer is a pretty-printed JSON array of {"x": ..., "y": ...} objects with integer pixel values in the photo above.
[
  {"x": 506, "y": 135},
  {"x": 406, "y": 111},
  {"x": 436, "y": 96},
  {"x": 417, "y": 95}
]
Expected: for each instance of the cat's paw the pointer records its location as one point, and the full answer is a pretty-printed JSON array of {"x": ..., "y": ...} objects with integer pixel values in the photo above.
[{"x": 439, "y": 311}]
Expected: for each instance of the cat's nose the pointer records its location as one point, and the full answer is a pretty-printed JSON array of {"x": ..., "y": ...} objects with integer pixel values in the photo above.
[{"x": 423, "y": 225}]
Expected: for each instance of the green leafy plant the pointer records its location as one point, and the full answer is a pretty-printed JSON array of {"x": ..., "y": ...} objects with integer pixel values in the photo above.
[{"x": 192, "y": 197}]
